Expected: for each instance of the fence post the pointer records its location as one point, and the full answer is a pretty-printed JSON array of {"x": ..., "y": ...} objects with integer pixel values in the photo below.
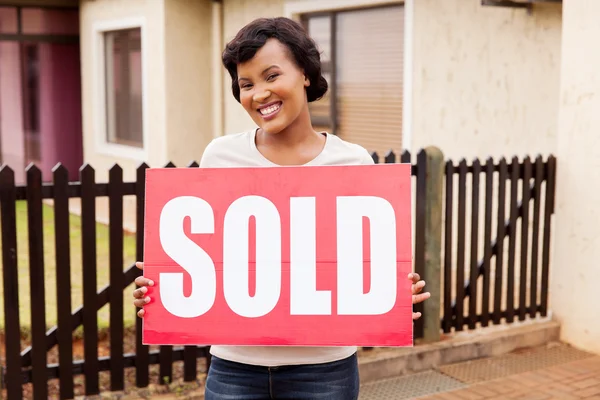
[{"x": 433, "y": 242}]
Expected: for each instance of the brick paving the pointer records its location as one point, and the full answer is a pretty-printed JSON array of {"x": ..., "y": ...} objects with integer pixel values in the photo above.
[{"x": 573, "y": 380}]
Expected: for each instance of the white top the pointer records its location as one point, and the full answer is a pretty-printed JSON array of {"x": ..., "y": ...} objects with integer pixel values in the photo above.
[{"x": 240, "y": 150}]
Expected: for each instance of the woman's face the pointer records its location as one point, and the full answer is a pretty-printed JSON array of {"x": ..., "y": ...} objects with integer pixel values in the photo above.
[{"x": 272, "y": 87}]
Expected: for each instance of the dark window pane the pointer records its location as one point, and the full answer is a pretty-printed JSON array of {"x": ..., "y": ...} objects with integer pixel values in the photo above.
[
  {"x": 38, "y": 21},
  {"x": 31, "y": 101},
  {"x": 319, "y": 28},
  {"x": 8, "y": 20},
  {"x": 124, "y": 87}
]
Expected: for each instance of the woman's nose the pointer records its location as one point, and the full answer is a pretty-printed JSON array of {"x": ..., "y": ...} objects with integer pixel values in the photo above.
[{"x": 262, "y": 95}]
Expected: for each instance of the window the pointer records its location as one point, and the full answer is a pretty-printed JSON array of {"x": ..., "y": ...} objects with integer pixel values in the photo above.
[
  {"x": 363, "y": 57},
  {"x": 123, "y": 84}
]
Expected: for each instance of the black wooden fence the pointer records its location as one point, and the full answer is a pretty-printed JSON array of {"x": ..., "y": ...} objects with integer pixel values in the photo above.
[
  {"x": 493, "y": 303},
  {"x": 508, "y": 247}
]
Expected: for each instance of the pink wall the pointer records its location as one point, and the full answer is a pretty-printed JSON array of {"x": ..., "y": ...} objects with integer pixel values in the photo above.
[
  {"x": 11, "y": 112},
  {"x": 60, "y": 108}
]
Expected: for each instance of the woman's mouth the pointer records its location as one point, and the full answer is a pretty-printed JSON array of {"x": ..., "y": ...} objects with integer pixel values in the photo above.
[{"x": 269, "y": 111}]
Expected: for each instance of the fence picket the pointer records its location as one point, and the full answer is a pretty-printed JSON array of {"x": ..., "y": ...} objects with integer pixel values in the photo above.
[
  {"x": 474, "y": 258},
  {"x": 90, "y": 319},
  {"x": 35, "y": 230},
  {"x": 448, "y": 315},
  {"x": 500, "y": 235},
  {"x": 535, "y": 237},
  {"x": 524, "y": 238},
  {"x": 63, "y": 280},
  {"x": 190, "y": 363},
  {"x": 487, "y": 241},
  {"x": 512, "y": 239},
  {"x": 548, "y": 211},
  {"x": 166, "y": 352},
  {"x": 405, "y": 157},
  {"x": 375, "y": 157},
  {"x": 390, "y": 158},
  {"x": 460, "y": 257},
  {"x": 142, "y": 378},
  {"x": 421, "y": 188},
  {"x": 115, "y": 204},
  {"x": 10, "y": 277}
]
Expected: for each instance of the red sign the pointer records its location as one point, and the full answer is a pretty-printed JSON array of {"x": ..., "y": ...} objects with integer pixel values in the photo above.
[{"x": 307, "y": 256}]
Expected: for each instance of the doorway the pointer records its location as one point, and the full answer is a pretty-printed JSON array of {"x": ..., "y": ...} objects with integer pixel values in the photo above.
[{"x": 40, "y": 89}]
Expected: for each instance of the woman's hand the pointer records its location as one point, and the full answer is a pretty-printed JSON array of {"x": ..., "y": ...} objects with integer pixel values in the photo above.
[
  {"x": 140, "y": 294},
  {"x": 417, "y": 296}
]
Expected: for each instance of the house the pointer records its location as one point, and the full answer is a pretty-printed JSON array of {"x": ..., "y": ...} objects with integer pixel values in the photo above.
[{"x": 132, "y": 81}]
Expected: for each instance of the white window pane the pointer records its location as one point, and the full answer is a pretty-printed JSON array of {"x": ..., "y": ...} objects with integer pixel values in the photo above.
[{"x": 319, "y": 28}]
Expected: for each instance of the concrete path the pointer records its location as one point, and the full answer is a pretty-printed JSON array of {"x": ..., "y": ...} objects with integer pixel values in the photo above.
[{"x": 554, "y": 371}]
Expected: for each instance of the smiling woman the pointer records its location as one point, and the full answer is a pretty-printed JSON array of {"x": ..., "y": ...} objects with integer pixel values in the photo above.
[{"x": 276, "y": 72}]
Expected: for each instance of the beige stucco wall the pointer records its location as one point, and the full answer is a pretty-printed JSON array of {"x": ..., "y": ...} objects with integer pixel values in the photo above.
[
  {"x": 238, "y": 13},
  {"x": 485, "y": 79},
  {"x": 575, "y": 271},
  {"x": 188, "y": 79}
]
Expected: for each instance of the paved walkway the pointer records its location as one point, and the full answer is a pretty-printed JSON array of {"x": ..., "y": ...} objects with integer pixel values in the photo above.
[
  {"x": 574, "y": 380},
  {"x": 553, "y": 372}
]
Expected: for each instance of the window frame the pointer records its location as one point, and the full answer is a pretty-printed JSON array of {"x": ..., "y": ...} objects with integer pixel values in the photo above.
[{"x": 102, "y": 144}]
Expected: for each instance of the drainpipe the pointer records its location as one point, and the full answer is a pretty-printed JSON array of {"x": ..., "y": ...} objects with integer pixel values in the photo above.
[{"x": 217, "y": 67}]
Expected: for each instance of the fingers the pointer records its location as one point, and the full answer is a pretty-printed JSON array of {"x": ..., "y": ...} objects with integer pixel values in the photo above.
[
  {"x": 140, "y": 297},
  {"x": 416, "y": 316},
  {"x": 417, "y": 287},
  {"x": 419, "y": 298},
  {"x": 141, "y": 302},
  {"x": 414, "y": 277},
  {"x": 139, "y": 294},
  {"x": 142, "y": 281}
]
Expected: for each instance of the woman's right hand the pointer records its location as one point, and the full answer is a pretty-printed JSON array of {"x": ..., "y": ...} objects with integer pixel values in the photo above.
[{"x": 140, "y": 294}]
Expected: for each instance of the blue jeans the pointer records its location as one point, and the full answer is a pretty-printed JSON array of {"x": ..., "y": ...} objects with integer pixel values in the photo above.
[{"x": 336, "y": 380}]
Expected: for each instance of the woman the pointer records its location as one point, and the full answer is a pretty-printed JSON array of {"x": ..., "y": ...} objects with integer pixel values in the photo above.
[{"x": 276, "y": 71}]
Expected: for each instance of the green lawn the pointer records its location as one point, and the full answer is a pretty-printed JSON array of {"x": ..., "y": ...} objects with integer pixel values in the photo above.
[{"x": 76, "y": 268}]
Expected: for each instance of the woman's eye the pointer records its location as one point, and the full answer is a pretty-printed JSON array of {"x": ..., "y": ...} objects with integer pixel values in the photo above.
[
  {"x": 272, "y": 76},
  {"x": 246, "y": 86}
]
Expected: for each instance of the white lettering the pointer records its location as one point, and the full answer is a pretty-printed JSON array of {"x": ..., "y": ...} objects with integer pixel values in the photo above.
[
  {"x": 382, "y": 296},
  {"x": 268, "y": 256},
  {"x": 305, "y": 299},
  {"x": 191, "y": 257}
]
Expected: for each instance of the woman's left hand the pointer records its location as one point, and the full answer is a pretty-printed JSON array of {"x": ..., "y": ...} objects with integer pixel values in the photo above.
[{"x": 417, "y": 288}]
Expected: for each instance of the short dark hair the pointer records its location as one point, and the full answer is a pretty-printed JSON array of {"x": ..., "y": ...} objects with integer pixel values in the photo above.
[{"x": 291, "y": 34}]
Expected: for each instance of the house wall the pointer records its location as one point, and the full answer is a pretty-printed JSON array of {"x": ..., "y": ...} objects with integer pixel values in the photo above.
[
  {"x": 480, "y": 81},
  {"x": 575, "y": 275},
  {"x": 485, "y": 79},
  {"x": 188, "y": 79},
  {"x": 153, "y": 42}
]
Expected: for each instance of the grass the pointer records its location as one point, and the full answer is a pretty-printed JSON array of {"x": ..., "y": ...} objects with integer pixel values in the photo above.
[{"x": 76, "y": 269}]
